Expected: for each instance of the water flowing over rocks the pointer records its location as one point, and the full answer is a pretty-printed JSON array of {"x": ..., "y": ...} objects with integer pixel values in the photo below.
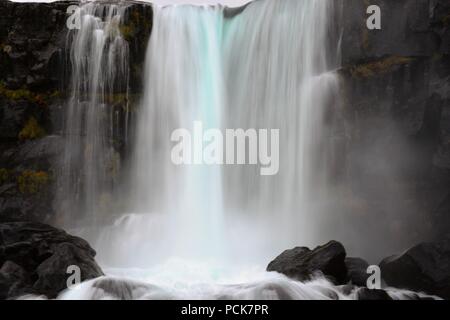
[
  {"x": 34, "y": 259},
  {"x": 425, "y": 267},
  {"x": 302, "y": 263}
]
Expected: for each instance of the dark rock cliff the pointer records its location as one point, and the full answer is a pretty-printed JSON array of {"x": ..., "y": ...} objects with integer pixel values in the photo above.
[
  {"x": 31, "y": 45},
  {"x": 395, "y": 120}
]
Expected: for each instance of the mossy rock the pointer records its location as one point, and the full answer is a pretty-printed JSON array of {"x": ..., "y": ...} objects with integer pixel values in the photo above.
[
  {"x": 4, "y": 175},
  {"x": 31, "y": 130},
  {"x": 32, "y": 182},
  {"x": 378, "y": 67},
  {"x": 39, "y": 98}
]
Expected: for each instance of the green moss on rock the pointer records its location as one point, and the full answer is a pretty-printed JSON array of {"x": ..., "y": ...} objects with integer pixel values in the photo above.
[
  {"x": 446, "y": 20},
  {"x": 374, "y": 68},
  {"x": 4, "y": 175},
  {"x": 127, "y": 31},
  {"x": 31, "y": 130},
  {"x": 134, "y": 24},
  {"x": 31, "y": 182},
  {"x": 40, "y": 99}
]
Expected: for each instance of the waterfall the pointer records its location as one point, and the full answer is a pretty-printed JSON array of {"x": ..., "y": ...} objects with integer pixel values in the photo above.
[
  {"x": 99, "y": 73},
  {"x": 279, "y": 58},
  {"x": 183, "y": 84},
  {"x": 204, "y": 231},
  {"x": 269, "y": 67}
]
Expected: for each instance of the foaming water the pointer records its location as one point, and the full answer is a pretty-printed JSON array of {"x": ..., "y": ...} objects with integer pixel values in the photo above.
[
  {"x": 140, "y": 266},
  {"x": 184, "y": 280},
  {"x": 267, "y": 287}
]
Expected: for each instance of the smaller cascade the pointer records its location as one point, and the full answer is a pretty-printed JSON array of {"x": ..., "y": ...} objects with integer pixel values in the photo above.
[{"x": 99, "y": 77}]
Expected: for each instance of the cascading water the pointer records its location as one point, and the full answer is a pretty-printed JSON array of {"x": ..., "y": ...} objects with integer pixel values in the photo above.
[
  {"x": 99, "y": 64},
  {"x": 270, "y": 66},
  {"x": 183, "y": 85},
  {"x": 278, "y": 66}
]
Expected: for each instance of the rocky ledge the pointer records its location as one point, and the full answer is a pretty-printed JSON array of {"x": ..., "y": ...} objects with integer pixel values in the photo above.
[
  {"x": 423, "y": 268},
  {"x": 34, "y": 258}
]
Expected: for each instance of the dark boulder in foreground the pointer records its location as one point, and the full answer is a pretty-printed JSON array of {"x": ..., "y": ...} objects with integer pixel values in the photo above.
[
  {"x": 425, "y": 267},
  {"x": 372, "y": 294},
  {"x": 303, "y": 264},
  {"x": 34, "y": 258},
  {"x": 357, "y": 271}
]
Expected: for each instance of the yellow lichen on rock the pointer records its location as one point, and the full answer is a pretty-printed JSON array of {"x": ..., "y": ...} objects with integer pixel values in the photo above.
[
  {"x": 32, "y": 181},
  {"x": 374, "y": 68},
  {"x": 4, "y": 175},
  {"x": 25, "y": 94},
  {"x": 31, "y": 130}
]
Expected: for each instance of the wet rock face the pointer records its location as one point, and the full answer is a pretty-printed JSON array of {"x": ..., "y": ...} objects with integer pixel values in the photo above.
[
  {"x": 32, "y": 46},
  {"x": 27, "y": 184},
  {"x": 396, "y": 110},
  {"x": 405, "y": 30},
  {"x": 302, "y": 263},
  {"x": 34, "y": 259},
  {"x": 31, "y": 43},
  {"x": 425, "y": 267},
  {"x": 357, "y": 271}
]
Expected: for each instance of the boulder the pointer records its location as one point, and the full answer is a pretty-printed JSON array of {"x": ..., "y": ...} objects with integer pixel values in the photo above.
[
  {"x": 34, "y": 258},
  {"x": 372, "y": 294},
  {"x": 424, "y": 268},
  {"x": 303, "y": 264},
  {"x": 357, "y": 271},
  {"x": 15, "y": 280},
  {"x": 441, "y": 217}
]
